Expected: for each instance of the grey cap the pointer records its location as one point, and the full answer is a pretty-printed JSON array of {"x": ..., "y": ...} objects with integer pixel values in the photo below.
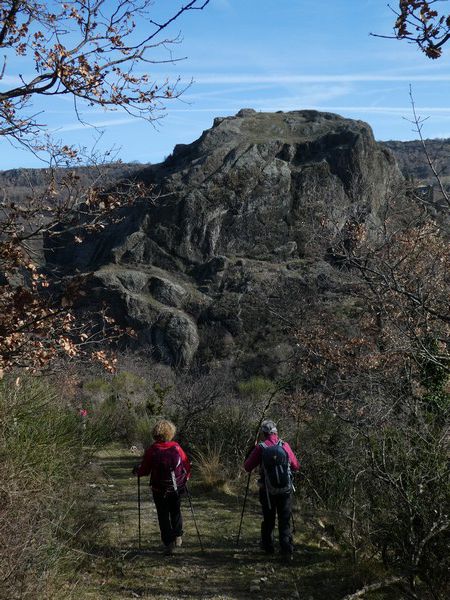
[{"x": 268, "y": 427}]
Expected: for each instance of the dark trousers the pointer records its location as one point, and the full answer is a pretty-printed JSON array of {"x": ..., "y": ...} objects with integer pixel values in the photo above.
[
  {"x": 170, "y": 520},
  {"x": 272, "y": 506}
]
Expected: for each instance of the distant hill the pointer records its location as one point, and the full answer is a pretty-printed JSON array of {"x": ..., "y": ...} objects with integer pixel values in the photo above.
[
  {"x": 413, "y": 162},
  {"x": 17, "y": 184}
]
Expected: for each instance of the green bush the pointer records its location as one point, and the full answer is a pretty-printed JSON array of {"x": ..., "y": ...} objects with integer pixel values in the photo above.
[
  {"x": 112, "y": 420},
  {"x": 228, "y": 422},
  {"x": 255, "y": 388},
  {"x": 143, "y": 430},
  {"x": 409, "y": 492},
  {"x": 384, "y": 491},
  {"x": 121, "y": 408},
  {"x": 45, "y": 513},
  {"x": 331, "y": 456}
]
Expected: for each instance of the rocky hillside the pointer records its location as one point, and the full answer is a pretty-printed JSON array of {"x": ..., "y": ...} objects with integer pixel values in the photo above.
[
  {"x": 413, "y": 162},
  {"x": 225, "y": 262}
]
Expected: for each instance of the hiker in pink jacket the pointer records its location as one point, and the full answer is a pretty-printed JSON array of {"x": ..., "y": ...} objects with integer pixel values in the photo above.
[
  {"x": 169, "y": 469},
  {"x": 276, "y": 461}
]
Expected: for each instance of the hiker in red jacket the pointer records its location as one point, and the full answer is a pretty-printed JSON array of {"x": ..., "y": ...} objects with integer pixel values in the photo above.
[
  {"x": 276, "y": 461},
  {"x": 169, "y": 469}
]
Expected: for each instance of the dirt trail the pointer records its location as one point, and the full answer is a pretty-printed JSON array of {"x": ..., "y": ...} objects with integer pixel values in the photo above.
[{"x": 119, "y": 570}]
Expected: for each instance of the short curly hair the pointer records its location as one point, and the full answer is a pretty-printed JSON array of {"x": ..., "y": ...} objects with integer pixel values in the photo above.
[{"x": 164, "y": 431}]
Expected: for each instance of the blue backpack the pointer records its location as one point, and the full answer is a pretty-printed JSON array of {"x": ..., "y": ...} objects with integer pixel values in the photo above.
[{"x": 276, "y": 468}]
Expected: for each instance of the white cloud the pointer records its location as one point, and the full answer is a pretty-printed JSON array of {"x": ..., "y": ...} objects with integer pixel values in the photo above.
[
  {"x": 223, "y": 92},
  {"x": 306, "y": 95},
  {"x": 97, "y": 124},
  {"x": 403, "y": 110},
  {"x": 291, "y": 79}
]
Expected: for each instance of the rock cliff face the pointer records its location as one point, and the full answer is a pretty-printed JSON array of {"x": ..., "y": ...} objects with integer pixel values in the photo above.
[{"x": 239, "y": 235}]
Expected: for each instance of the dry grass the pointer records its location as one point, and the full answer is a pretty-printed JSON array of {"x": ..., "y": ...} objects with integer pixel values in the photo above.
[{"x": 210, "y": 469}]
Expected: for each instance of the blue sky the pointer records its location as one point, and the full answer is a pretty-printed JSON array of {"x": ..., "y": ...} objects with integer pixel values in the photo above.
[{"x": 271, "y": 55}]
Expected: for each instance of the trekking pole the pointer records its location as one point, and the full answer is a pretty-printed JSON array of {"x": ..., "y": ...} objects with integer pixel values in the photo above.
[
  {"x": 293, "y": 506},
  {"x": 139, "y": 511},
  {"x": 243, "y": 510},
  {"x": 193, "y": 516}
]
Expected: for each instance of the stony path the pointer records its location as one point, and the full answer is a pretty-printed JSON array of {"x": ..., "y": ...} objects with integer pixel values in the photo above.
[{"x": 120, "y": 570}]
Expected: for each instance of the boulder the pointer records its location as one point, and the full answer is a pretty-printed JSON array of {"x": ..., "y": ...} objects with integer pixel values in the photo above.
[{"x": 175, "y": 337}]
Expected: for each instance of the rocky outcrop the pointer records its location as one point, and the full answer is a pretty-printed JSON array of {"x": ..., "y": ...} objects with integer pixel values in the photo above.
[{"x": 242, "y": 230}]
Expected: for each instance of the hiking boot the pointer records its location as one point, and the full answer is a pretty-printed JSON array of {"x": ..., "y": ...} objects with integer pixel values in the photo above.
[
  {"x": 178, "y": 541},
  {"x": 169, "y": 549}
]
